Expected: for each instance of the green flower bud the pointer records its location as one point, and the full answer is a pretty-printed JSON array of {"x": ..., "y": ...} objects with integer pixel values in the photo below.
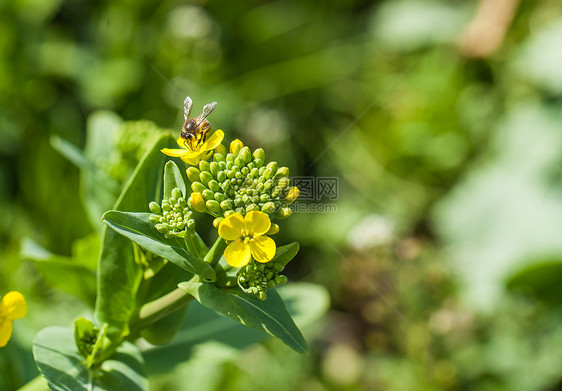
[
  {"x": 163, "y": 228},
  {"x": 208, "y": 194},
  {"x": 221, "y": 176},
  {"x": 204, "y": 165},
  {"x": 206, "y": 177},
  {"x": 273, "y": 166},
  {"x": 239, "y": 162},
  {"x": 192, "y": 174},
  {"x": 198, "y": 187},
  {"x": 181, "y": 202},
  {"x": 230, "y": 174},
  {"x": 277, "y": 266},
  {"x": 268, "y": 173},
  {"x": 217, "y": 221},
  {"x": 166, "y": 206},
  {"x": 176, "y": 193},
  {"x": 283, "y": 183},
  {"x": 259, "y": 154},
  {"x": 219, "y": 197},
  {"x": 228, "y": 213},
  {"x": 155, "y": 208},
  {"x": 236, "y": 146},
  {"x": 252, "y": 207},
  {"x": 220, "y": 149},
  {"x": 214, "y": 168},
  {"x": 280, "y": 280},
  {"x": 262, "y": 295},
  {"x": 258, "y": 163},
  {"x": 213, "y": 206},
  {"x": 230, "y": 159},
  {"x": 245, "y": 171},
  {"x": 214, "y": 185},
  {"x": 198, "y": 202},
  {"x": 268, "y": 185},
  {"x": 273, "y": 229},
  {"x": 292, "y": 194},
  {"x": 226, "y": 205},
  {"x": 268, "y": 207},
  {"x": 219, "y": 157},
  {"x": 276, "y": 193},
  {"x": 154, "y": 218},
  {"x": 271, "y": 284},
  {"x": 283, "y": 213},
  {"x": 191, "y": 225},
  {"x": 245, "y": 155},
  {"x": 282, "y": 172},
  {"x": 264, "y": 198}
]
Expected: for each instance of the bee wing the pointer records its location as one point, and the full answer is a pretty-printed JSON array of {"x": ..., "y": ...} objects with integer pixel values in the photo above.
[
  {"x": 187, "y": 103},
  {"x": 207, "y": 109}
]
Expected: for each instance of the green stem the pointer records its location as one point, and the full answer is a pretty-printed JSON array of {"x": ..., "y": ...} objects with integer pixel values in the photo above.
[
  {"x": 157, "y": 309},
  {"x": 195, "y": 245},
  {"x": 216, "y": 252}
]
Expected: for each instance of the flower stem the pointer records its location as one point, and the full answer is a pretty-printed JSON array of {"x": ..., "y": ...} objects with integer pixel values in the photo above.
[
  {"x": 157, "y": 309},
  {"x": 215, "y": 253}
]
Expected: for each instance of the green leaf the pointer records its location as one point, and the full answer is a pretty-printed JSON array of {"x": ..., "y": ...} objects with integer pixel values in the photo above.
[
  {"x": 63, "y": 367},
  {"x": 173, "y": 179},
  {"x": 306, "y": 304},
  {"x": 541, "y": 281},
  {"x": 269, "y": 315},
  {"x": 286, "y": 253},
  {"x": 138, "y": 228},
  {"x": 118, "y": 274}
]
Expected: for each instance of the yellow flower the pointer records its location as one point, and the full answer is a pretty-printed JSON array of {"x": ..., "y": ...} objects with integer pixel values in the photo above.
[
  {"x": 249, "y": 239},
  {"x": 193, "y": 153},
  {"x": 12, "y": 307}
]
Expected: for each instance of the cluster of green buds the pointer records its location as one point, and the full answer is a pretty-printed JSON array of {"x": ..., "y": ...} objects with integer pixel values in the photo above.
[
  {"x": 257, "y": 277},
  {"x": 174, "y": 217},
  {"x": 241, "y": 182}
]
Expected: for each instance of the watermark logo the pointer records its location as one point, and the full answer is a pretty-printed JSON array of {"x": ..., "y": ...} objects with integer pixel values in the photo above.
[{"x": 316, "y": 194}]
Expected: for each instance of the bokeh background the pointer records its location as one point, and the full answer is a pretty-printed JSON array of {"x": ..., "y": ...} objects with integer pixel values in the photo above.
[{"x": 442, "y": 121}]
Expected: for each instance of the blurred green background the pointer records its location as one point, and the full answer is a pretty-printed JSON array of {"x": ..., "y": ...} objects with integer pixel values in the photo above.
[{"x": 442, "y": 121}]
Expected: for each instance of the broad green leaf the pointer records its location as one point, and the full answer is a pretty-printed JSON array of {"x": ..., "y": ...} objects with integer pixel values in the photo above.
[
  {"x": 306, "y": 304},
  {"x": 138, "y": 228},
  {"x": 269, "y": 315},
  {"x": 118, "y": 274},
  {"x": 63, "y": 367},
  {"x": 541, "y": 281},
  {"x": 173, "y": 179},
  {"x": 286, "y": 253}
]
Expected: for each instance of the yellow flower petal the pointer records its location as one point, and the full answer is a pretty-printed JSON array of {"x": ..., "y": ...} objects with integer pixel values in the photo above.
[
  {"x": 237, "y": 254},
  {"x": 183, "y": 143},
  {"x": 5, "y": 332},
  {"x": 13, "y": 306},
  {"x": 214, "y": 140},
  {"x": 173, "y": 152},
  {"x": 263, "y": 249},
  {"x": 232, "y": 227},
  {"x": 257, "y": 223}
]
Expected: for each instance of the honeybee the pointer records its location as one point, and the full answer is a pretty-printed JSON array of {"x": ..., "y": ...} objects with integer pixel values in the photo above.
[{"x": 196, "y": 130}]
